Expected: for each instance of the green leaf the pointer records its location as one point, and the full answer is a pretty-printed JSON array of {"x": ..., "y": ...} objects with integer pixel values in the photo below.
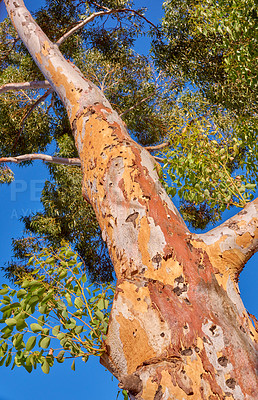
[
  {"x": 45, "y": 367},
  {"x": 36, "y": 327},
  {"x": 21, "y": 293},
  {"x": 21, "y": 324},
  {"x": 99, "y": 315},
  {"x": 10, "y": 321},
  {"x": 44, "y": 343},
  {"x": 69, "y": 299},
  {"x": 55, "y": 330},
  {"x": 4, "y": 291},
  {"x": 60, "y": 356},
  {"x": 78, "y": 302},
  {"x": 73, "y": 366},
  {"x": 31, "y": 343}
]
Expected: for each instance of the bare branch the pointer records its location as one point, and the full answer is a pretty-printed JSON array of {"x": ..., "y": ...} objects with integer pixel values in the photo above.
[
  {"x": 43, "y": 157},
  {"x": 107, "y": 11},
  {"x": 159, "y": 159},
  {"x": 157, "y": 147},
  {"x": 27, "y": 114},
  {"x": 24, "y": 85},
  {"x": 234, "y": 242}
]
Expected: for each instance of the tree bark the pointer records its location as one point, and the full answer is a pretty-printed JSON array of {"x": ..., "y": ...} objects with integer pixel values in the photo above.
[{"x": 178, "y": 328}]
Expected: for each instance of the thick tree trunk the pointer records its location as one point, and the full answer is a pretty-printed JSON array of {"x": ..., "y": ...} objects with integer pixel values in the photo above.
[{"x": 178, "y": 328}]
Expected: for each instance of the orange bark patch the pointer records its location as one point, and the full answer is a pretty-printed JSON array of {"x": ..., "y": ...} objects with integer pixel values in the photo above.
[
  {"x": 244, "y": 240},
  {"x": 133, "y": 336}
]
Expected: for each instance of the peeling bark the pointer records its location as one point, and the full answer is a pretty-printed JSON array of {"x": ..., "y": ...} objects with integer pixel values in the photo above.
[{"x": 178, "y": 328}]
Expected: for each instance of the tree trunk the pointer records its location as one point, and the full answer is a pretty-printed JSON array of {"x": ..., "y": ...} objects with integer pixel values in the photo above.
[{"x": 178, "y": 328}]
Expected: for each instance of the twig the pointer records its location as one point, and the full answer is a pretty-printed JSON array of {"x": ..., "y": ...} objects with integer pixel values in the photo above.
[
  {"x": 98, "y": 14},
  {"x": 43, "y": 157},
  {"x": 25, "y": 85},
  {"x": 34, "y": 105},
  {"x": 159, "y": 159},
  {"x": 157, "y": 147}
]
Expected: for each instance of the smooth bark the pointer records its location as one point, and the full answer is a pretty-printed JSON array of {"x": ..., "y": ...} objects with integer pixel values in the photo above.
[{"x": 178, "y": 328}]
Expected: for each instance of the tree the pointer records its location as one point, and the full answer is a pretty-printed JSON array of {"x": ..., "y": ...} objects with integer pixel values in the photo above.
[{"x": 178, "y": 328}]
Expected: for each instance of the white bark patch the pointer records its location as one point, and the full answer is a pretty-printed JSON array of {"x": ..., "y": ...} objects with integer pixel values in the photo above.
[
  {"x": 235, "y": 297},
  {"x": 157, "y": 241},
  {"x": 213, "y": 346}
]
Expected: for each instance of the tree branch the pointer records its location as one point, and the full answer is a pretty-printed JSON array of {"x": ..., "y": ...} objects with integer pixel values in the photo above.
[
  {"x": 24, "y": 85},
  {"x": 27, "y": 114},
  {"x": 98, "y": 14},
  {"x": 234, "y": 242},
  {"x": 43, "y": 157},
  {"x": 157, "y": 147}
]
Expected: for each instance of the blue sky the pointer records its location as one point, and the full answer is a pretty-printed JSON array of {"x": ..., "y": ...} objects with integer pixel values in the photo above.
[{"x": 89, "y": 381}]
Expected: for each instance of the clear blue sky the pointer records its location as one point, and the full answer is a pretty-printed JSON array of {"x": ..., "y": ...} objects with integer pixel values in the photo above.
[{"x": 89, "y": 381}]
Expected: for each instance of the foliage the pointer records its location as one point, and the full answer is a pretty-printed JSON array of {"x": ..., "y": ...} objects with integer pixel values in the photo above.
[
  {"x": 207, "y": 161},
  {"x": 53, "y": 315},
  {"x": 212, "y": 159},
  {"x": 213, "y": 44}
]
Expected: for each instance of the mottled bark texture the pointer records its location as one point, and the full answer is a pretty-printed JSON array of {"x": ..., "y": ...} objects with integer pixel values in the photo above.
[{"x": 178, "y": 328}]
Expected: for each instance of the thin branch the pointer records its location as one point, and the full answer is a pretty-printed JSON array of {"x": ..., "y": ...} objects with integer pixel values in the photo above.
[
  {"x": 27, "y": 114},
  {"x": 159, "y": 159},
  {"x": 98, "y": 14},
  {"x": 43, "y": 157},
  {"x": 24, "y": 85},
  {"x": 157, "y": 147}
]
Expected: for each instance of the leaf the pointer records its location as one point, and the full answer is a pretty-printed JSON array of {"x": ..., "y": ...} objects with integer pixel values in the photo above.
[
  {"x": 60, "y": 356},
  {"x": 30, "y": 343},
  {"x": 44, "y": 343},
  {"x": 10, "y": 321},
  {"x": 4, "y": 291},
  {"x": 69, "y": 299},
  {"x": 55, "y": 330},
  {"x": 78, "y": 302},
  {"x": 21, "y": 293},
  {"x": 73, "y": 366},
  {"x": 99, "y": 315},
  {"x": 36, "y": 327},
  {"x": 21, "y": 324},
  {"x": 45, "y": 367}
]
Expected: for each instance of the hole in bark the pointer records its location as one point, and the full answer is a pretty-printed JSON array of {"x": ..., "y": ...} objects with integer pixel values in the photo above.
[
  {"x": 187, "y": 352},
  {"x": 212, "y": 328},
  {"x": 197, "y": 349},
  {"x": 231, "y": 383},
  {"x": 187, "y": 302},
  {"x": 223, "y": 361},
  {"x": 138, "y": 299},
  {"x": 200, "y": 266},
  {"x": 180, "y": 279},
  {"x": 162, "y": 334}
]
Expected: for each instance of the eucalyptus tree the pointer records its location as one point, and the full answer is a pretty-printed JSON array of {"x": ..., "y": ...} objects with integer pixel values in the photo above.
[{"x": 178, "y": 328}]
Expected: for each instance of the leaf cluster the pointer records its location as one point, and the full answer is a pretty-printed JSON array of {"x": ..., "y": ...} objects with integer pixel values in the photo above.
[{"x": 53, "y": 315}]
